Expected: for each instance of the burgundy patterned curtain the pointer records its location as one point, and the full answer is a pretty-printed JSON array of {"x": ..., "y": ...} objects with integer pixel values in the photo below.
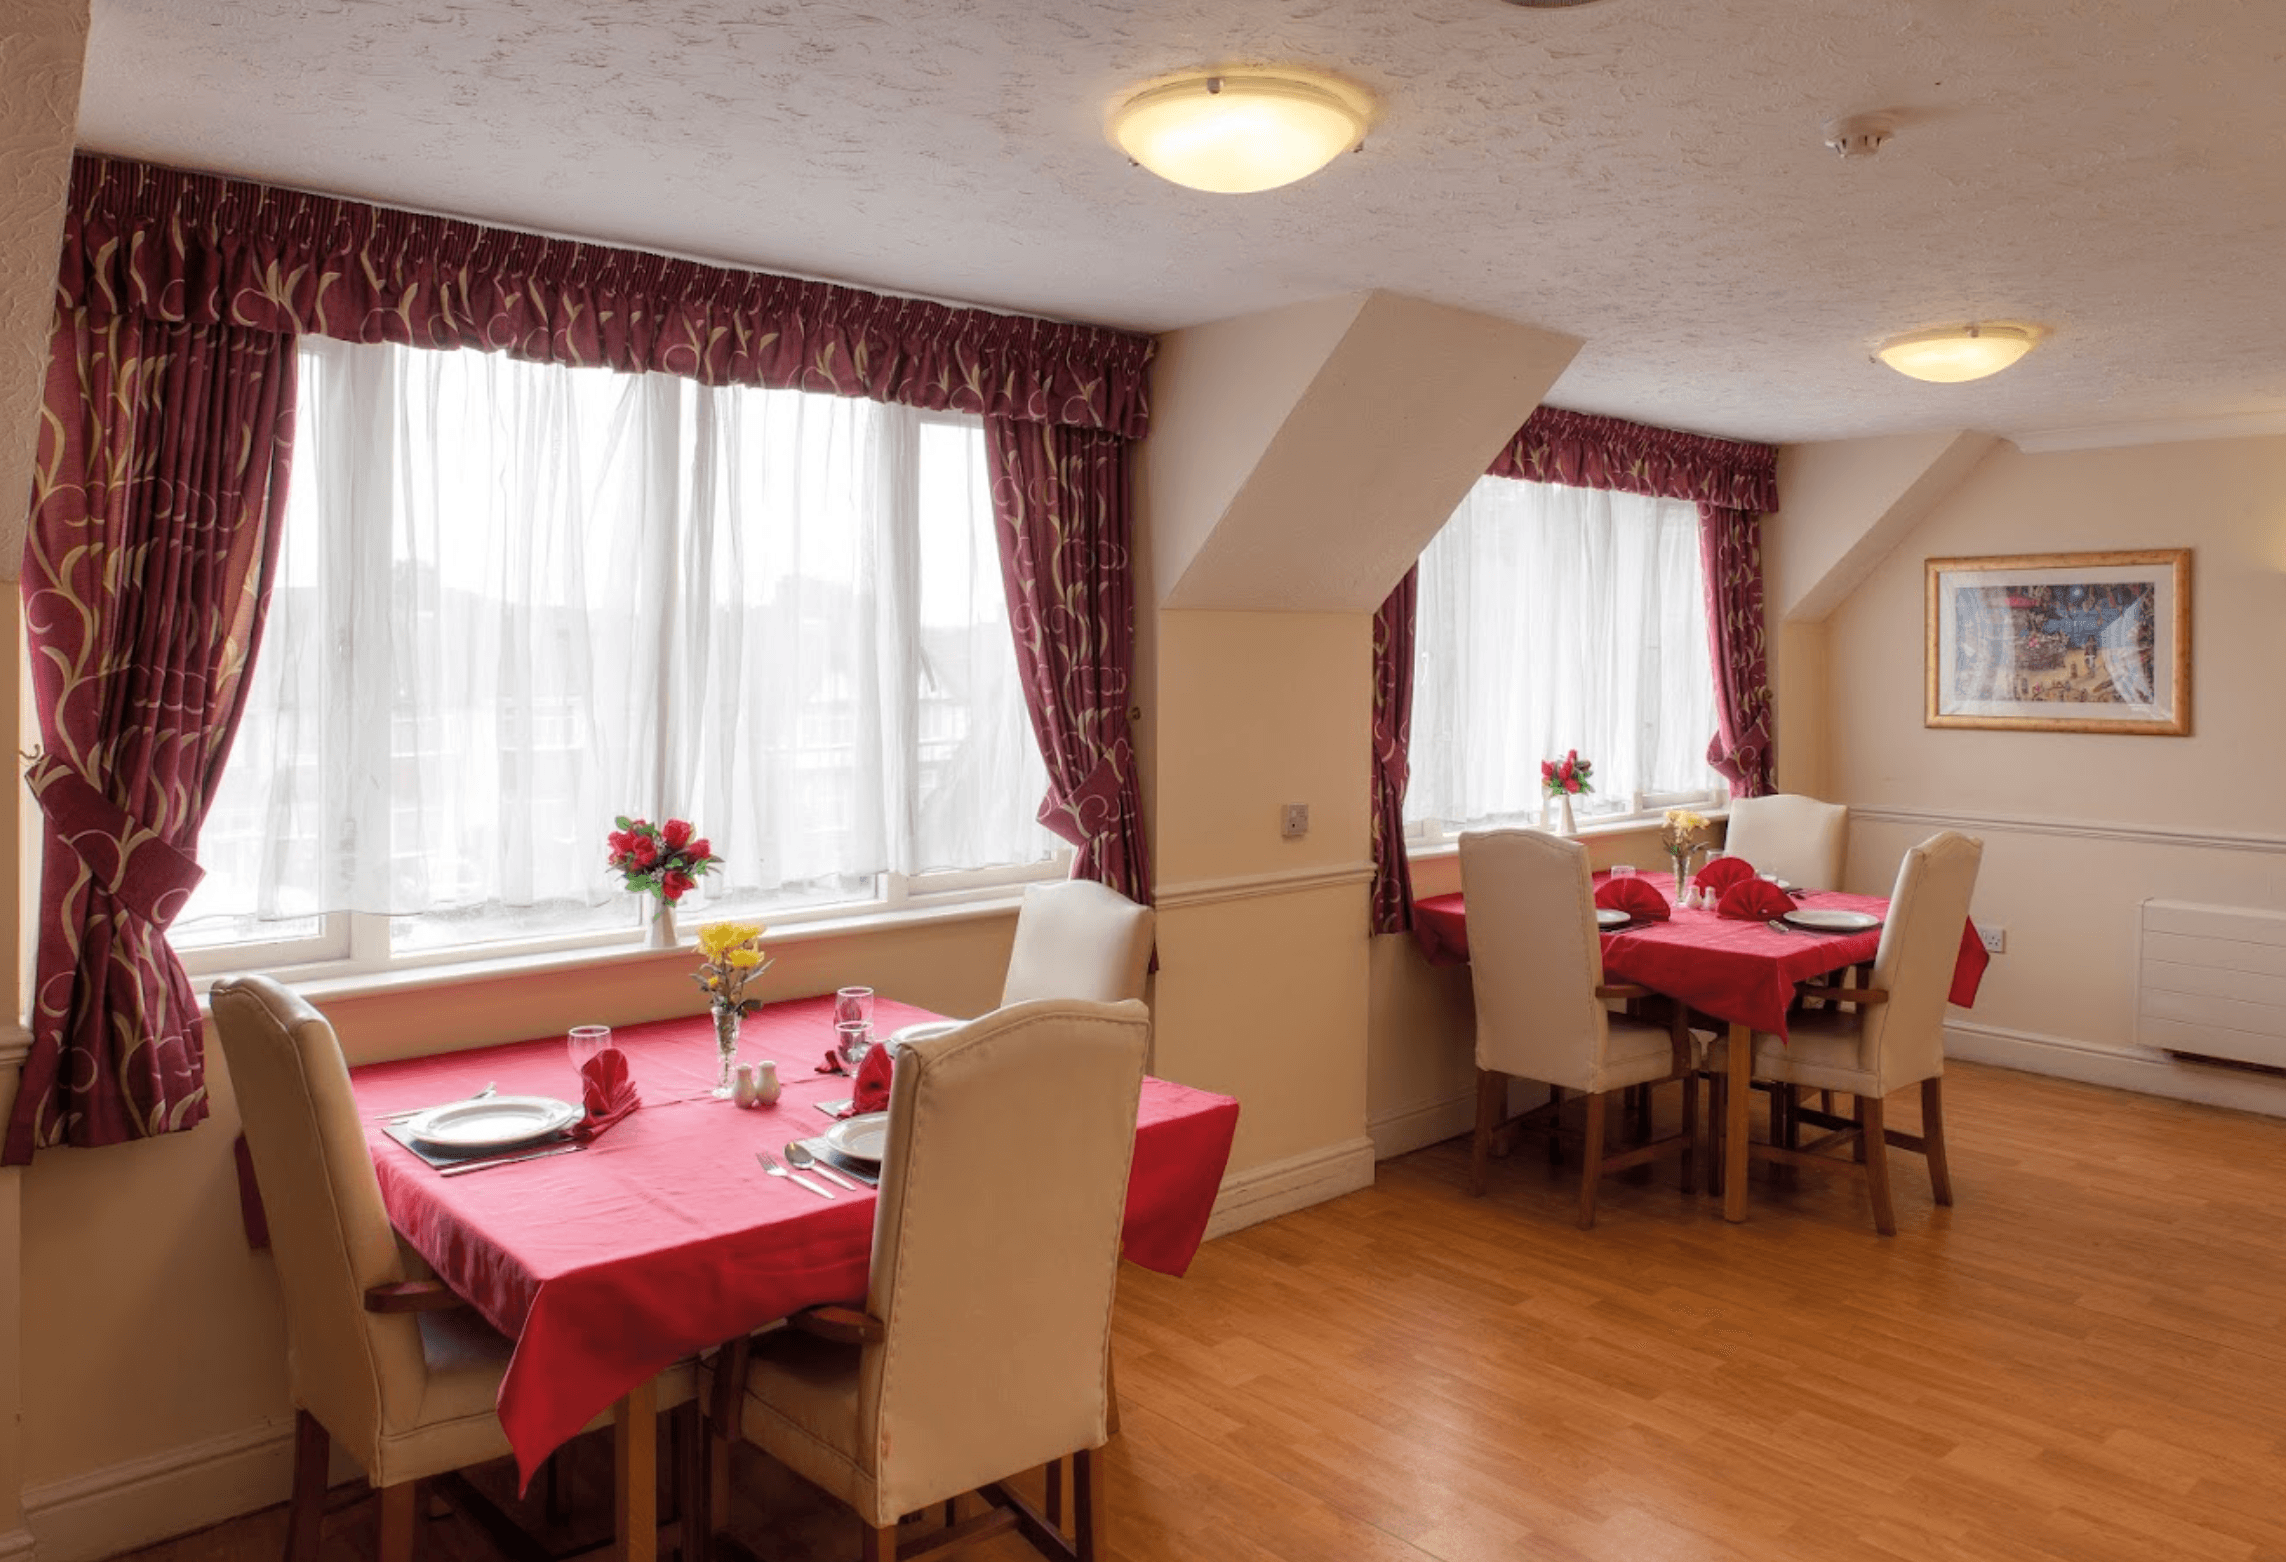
[
  {"x": 156, "y": 510},
  {"x": 180, "y": 246},
  {"x": 1393, "y": 755},
  {"x": 1730, "y": 557},
  {"x": 1060, "y": 498},
  {"x": 1734, "y": 484}
]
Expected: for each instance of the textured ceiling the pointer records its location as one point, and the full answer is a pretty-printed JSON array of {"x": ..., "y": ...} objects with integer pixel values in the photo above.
[{"x": 1644, "y": 174}]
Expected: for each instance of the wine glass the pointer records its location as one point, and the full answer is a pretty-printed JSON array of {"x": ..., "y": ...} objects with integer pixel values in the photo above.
[
  {"x": 853, "y": 1039},
  {"x": 584, "y": 1042},
  {"x": 852, "y": 1003},
  {"x": 1623, "y": 870}
]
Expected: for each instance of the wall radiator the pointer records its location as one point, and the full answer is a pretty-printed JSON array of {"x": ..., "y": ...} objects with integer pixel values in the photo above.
[{"x": 2211, "y": 982}]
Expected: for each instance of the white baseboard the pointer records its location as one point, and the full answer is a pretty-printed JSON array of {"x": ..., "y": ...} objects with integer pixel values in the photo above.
[
  {"x": 1281, "y": 1187},
  {"x": 2123, "y": 1066},
  {"x": 123, "y": 1506},
  {"x": 1416, "y": 1127}
]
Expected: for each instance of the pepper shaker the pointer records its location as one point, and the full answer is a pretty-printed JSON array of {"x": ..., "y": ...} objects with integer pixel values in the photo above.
[
  {"x": 765, "y": 1083},
  {"x": 742, "y": 1085}
]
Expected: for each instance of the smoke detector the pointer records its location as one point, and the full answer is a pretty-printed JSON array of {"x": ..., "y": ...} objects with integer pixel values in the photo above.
[{"x": 1859, "y": 135}]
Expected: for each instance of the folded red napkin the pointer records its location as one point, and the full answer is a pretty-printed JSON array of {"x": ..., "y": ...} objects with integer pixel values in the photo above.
[
  {"x": 1720, "y": 874},
  {"x": 832, "y": 1063},
  {"x": 1755, "y": 900},
  {"x": 609, "y": 1092},
  {"x": 1635, "y": 897},
  {"x": 872, "y": 1092}
]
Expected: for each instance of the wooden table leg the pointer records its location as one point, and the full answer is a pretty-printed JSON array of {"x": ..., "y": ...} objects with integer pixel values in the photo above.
[
  {"x": 635, "y": 1472},
  {"x": 1739, "y": 1092}
]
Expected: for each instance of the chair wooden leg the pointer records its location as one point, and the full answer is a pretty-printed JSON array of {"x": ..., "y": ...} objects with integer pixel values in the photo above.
[
  {"x": 1715, "y": 1130},
  {"x": 1933, "y": 1137},
  {"x": 1872, "y": 1138},
  {"x": 693, "y": 1483},
  {"x": 877, "y": 1543},
  {"x": 306, "y": 1516},
  {"x": 1052, "y": 1493},
  {"x": 1591, "y": 1156},
  {"x": 1087, "y": 1503},
  {"x": 398, "y": 1510},
  {"x": 1690, "y": 1131},
  {"x": 1491, "y": 1107},
  {"x": 1555, "y": 1122}
]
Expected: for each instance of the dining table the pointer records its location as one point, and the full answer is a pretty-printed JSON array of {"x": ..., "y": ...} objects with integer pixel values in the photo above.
[
  {"x": 1744, "y": 973},
  {"x": 664, "y": 1236}
]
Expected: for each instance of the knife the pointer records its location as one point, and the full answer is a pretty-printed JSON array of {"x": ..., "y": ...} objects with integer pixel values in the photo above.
[{"x": 458, "y": 1167}]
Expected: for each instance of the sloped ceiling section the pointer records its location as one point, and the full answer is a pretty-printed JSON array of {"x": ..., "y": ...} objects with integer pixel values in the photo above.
[{"x": 1302, "y": 458}]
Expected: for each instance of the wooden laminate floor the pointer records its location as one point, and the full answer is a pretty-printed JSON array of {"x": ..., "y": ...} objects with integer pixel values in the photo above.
[{"x": 2084, "y": 1359}]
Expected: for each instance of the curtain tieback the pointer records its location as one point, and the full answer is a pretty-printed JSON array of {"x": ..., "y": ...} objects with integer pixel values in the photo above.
[
  {"x": 1090, "y": 810},
  {"x": 145, "y": 874}
]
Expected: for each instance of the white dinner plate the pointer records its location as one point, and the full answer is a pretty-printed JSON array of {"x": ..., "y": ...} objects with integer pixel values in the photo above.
[
  {"x": 1606, "y": 916},
  {"x": 495, "y": 1123},
  {"x": 1824, "y": 920},
  {"x": 861, "y": 1138}
]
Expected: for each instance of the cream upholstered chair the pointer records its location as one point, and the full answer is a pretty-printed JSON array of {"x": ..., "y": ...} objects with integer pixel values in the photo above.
[
  {"x": 982, "y": 1347},
  {"x": 1536, "y": 963},
  {"x": 381, "y": 1356},
  {"x": 1798, "y": 838},
  {"x": 1872, "y": 1040},
  {"x": 1078, "y": 939}
]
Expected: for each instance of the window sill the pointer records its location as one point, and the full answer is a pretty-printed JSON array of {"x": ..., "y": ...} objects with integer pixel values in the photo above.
[
  {"x": 1432, "y": 851},
  {"x": 367, "y": 984}
]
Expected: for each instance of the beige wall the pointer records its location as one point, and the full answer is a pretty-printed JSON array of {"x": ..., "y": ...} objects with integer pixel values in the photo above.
[
  {"x": 1262, "y": 978},
  {"x": 2079, "y": 829}
]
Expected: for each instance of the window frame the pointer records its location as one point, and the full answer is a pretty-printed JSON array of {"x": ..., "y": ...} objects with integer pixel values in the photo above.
[{"x": 351, "y": 944}]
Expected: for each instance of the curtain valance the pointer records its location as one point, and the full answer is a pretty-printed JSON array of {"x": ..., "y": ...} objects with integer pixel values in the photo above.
[
  {"x": 197, "y": 248},
  {"x": 1583, "y": 450}
]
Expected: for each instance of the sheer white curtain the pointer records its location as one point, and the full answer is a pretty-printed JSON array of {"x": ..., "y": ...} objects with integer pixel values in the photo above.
[
  {"x": 519, "y": 599},
  {"x": 1554, "y": 618}
]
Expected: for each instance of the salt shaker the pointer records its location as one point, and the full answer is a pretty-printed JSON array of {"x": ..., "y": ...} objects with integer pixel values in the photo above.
[
  {"x": 742, "y": 1085},
  {"x": 765, "y": 1083}
]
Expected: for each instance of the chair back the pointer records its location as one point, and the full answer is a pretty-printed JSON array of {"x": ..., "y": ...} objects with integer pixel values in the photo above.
[
  {"x": 1904, "y": 1039},
  {"x": 996, "y": 1245},
  {"x": 1078, "y": 939},
  {"x": 1798, "y": 838},
  {"x": 362, "y": 1374},
  {"x": 1535, "y": 959}
]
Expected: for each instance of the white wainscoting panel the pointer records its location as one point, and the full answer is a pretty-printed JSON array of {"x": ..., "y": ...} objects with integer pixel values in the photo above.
[{"x": 125, "y": 1506}]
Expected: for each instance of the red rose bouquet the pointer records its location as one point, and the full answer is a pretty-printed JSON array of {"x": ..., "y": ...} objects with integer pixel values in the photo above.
[
  {"x": 665, "y": 860},
  {"x": 1566, "y": 776}
]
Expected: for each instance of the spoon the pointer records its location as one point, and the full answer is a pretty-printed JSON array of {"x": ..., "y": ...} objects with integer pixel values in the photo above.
[
  {"x": 486, "y": 1093},
  {"x": 800, "y": 1157}
]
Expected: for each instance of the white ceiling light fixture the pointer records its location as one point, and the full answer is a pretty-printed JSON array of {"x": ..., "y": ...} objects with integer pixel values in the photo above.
[
  {"x": 1235, "y": 132},
  {"x": 1953, "y": 354}
]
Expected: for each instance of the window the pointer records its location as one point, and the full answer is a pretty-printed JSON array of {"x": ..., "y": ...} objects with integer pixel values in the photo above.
[
  {"x": 1554, "y": 618},
  {"x": 518, "y": 599}
]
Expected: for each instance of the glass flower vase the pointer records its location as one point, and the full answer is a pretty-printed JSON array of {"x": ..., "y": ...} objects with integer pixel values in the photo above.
[
  {"x": 662, "y": 927},
  {"x": 1682, "y": 876},
  {"x": 726, "y": 1022}
]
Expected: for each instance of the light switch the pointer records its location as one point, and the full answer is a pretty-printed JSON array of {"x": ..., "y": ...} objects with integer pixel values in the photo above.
[{"x": 1294, "y": 821}]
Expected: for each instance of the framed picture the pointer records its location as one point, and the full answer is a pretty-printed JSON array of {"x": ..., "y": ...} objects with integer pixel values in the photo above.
[{"x": 2062, "y": 642}]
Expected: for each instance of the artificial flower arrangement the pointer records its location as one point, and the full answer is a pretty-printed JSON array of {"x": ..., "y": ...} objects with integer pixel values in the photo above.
[
  {"x": 665, "y": 860},
  {"x": 1567, "y": 776},
  {"x": 730, "y": 956},
  {"x": 1679, "y": 835}
]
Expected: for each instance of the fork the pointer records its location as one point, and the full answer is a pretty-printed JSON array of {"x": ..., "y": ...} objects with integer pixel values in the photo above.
[{"x": 770, "y": 1165}]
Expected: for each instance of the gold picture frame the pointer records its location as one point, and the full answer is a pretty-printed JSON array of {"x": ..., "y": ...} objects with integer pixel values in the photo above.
[{"x": 2061, "y": 642}]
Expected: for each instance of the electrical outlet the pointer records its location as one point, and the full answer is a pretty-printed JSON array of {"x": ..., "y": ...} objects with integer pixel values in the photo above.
[
  {"x": 1995, "y": 938},
  {"x": 1294, "y": 821}
]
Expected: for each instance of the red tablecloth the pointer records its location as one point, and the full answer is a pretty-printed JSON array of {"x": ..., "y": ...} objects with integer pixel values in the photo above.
[
  {"x": 666, "y": 1237},
  {"x": 1741, "y": 972}
]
